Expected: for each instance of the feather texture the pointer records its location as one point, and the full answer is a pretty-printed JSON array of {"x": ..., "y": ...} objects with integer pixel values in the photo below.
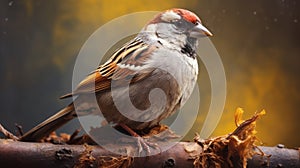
[{"x": 120, "y": 66}]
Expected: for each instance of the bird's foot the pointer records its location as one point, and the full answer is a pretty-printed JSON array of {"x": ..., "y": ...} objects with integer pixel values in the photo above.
[
  {"x": 142, "y": 142},
  {"x": 161, "y": 133},
  {"x": 145, "y": 145}
]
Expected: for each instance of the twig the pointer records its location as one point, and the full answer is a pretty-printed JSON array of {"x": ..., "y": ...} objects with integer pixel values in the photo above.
[
  {"x": 7, "y": 134},
  {"x": 20, "y": 129}
]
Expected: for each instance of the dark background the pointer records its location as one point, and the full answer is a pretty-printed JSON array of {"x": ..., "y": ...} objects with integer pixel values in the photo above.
[{"x": 258, "y": 42}]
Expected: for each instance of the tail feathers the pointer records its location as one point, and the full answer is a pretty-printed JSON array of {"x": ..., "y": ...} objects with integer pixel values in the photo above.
[{"x": 50, "y": 125}]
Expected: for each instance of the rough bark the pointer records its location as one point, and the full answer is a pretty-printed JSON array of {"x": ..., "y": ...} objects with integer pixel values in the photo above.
[{"x": 25, "y": 154}]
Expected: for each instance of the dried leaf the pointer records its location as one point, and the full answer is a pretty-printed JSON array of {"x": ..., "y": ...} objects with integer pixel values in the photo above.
[
  {"x": 115, "y": 162},
  {"x": 238, "y": 116},
  {"x": 86, "y": 158},
  {"x": 220, "y": 151}
]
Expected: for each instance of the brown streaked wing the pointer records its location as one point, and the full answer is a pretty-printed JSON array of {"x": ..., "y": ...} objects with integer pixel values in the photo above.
[
  {"x": 137, "y": 58},
  {"x": 92, "y": 83},
  {"x": 133, "y": 53}
]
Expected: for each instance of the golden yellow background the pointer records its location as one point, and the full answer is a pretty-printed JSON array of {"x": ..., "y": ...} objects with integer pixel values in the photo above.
[{"x": 258, "y": 42}]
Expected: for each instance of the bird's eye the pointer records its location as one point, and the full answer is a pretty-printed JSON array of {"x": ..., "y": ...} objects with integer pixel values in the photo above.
[
  {"x": 175, "y": 21},
  {"x": 179, "y": 23},
  {"x": 183, "y": 24}
]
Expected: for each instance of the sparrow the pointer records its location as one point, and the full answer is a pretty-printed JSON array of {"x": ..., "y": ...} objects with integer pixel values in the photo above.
[{"x": 162, "y": 55}]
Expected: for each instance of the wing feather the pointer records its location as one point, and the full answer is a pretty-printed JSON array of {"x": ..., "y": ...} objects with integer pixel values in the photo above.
[{"x": 121, "y": 66}]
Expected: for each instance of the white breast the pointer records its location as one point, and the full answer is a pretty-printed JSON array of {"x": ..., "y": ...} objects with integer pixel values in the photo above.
[{"x": 183, "y": 68}]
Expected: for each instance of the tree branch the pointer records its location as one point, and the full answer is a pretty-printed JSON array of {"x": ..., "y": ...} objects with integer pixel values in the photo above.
[
  {"x": 24, "y": 154},
  {"x": 236, "y": 149}
]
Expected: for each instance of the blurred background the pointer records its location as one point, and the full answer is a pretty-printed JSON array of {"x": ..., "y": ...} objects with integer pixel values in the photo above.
[{"x": 258, "y": 42}]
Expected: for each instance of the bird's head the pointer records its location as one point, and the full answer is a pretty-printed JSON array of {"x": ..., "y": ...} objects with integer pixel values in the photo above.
[
  {"x": 176, "y": 28},
  {"x": 175, "y": 22}
]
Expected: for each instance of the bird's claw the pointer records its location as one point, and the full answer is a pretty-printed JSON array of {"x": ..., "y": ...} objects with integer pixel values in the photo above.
[{"x": 144, "y": 145}]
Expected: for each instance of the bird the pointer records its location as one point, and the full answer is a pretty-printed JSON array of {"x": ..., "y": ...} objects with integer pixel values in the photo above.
[{"x": 162, "y": 55}]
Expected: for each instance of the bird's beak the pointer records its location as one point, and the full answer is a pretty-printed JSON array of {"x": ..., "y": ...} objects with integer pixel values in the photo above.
[{"x": 200, "y": 31}]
